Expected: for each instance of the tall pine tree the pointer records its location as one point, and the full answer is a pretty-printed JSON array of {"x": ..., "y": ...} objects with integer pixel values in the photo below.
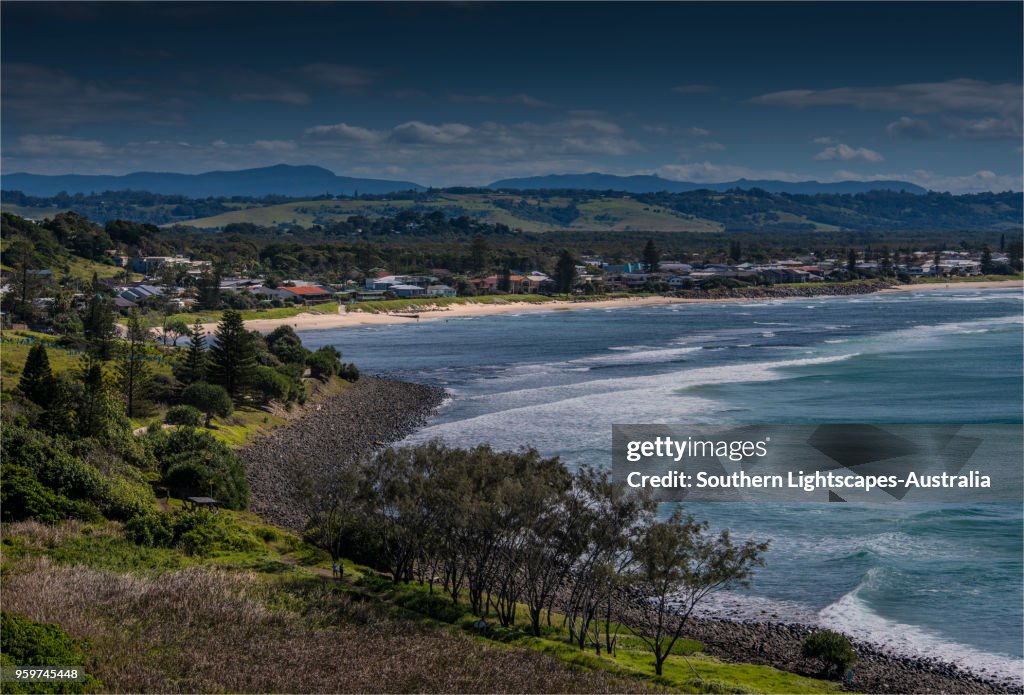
[
  {"x": 37, "y": 378},
  {"x": 565, "y": 272},
  {"x": 652, "y": 257},
  {"x": 194, "y": 367},
  {"x": 96, "y": 415},
  {"x": 233, "y": 355},
  {"x": 98, "y": 321},
  {"x": 134, "y": 376}
]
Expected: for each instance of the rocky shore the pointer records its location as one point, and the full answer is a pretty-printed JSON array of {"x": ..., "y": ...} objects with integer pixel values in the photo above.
[
  {"x": 369, "y": 415},
  {"x": 778, "y": 645}
]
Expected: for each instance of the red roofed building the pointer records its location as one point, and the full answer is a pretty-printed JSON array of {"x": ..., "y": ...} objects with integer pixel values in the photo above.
[{"x": 308, "y": 294}]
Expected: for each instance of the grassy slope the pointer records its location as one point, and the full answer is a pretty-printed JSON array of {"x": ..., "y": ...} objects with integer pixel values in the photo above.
[
  {"x": 272, "y": 619},
  {"x": 235, "y": 430},
  {"x": 618, "y": 214}
]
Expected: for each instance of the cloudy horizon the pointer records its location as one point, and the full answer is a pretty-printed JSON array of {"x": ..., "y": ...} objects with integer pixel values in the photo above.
[{"x": 465, "y": 94}]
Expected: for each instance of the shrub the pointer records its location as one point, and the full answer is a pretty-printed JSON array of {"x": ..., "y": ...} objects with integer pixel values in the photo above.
[
  {"x": 51, "y": 463},
  {"x": 286, "y": 345},
  {"x": 197, "y": 533},
  {"x": 184, "y": 416},
  {"x": 124, "y": 499},
  {"x": 272, "y": 385},
  {"x": 830, "y": 648},
  {"x": 202, "y": 533},
  {"x": 434, "y": 606},
  {"x": 325, "y": 362},
  {"x": 153, "y": 530},
  {"x": 348, "y": 372},
  {"x": 23, "y": 497},
  {"x": 208, "y": 398},
  {"x": 192, "y": 462},
  {"x": 27, "y": 643}
]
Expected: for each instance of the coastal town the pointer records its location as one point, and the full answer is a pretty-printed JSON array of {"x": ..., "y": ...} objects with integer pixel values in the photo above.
[{"x": 174, "y": 284}]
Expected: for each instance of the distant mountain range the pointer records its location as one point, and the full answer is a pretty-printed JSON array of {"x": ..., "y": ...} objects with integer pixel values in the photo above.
[
  {"x": 656, "y": 184},
  {"x": 282, "y": 179},
  {"x": 312, "y": 181}
]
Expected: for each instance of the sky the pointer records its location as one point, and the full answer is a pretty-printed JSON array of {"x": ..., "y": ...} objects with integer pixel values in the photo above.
[{"x": 467, "y": 93}]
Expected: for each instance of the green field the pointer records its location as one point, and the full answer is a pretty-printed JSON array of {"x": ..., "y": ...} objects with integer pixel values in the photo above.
[{"x": 600, "y": 214}]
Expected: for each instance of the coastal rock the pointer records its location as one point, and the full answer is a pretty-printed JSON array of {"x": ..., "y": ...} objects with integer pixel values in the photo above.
[
  {"x": 778, "y": 645},
  {"x": 364, "y": 419}
]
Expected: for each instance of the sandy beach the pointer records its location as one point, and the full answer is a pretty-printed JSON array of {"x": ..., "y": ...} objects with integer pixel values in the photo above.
[{"x": 345, "y": 319}]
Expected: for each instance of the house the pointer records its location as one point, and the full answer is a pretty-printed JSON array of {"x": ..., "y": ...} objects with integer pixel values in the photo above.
[
  {"x": 538, "y": 283},
  {"x": 492, "y": 283},
  {"x": 407, "y": 291},
  {"x": 307, "y": 294},
  {"x": 440, "y": 291},
  {"x": 137, "y": 293}
]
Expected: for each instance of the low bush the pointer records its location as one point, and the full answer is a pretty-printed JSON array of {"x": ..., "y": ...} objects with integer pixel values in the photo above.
[
  {"x": 831, "y": 648},
  {"x": 27, "y": 643},
  {"x": 123, "y": 499},
  {"x": 434, "y": 606},
  {"x": 196, "y": 533},
  {"x": 184, "y": 416},
  {"x": 23, "y": 497}
]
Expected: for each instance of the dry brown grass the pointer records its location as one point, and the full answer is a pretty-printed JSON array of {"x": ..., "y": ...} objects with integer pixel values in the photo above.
[
  {"x": 43, "y": 536},
  {"x": 203, "y": 630}
]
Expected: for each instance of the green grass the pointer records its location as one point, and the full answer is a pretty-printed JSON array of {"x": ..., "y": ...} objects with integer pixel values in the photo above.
[
  {"x": 255, "y": 314},
  {"x": 968, "y": 278},
  {"x": 13, "y": 356},
  {"x": 385, "y": 305}
]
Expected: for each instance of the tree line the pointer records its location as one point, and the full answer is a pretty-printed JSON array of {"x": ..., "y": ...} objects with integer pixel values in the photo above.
[{"x": 500, "y": 530}]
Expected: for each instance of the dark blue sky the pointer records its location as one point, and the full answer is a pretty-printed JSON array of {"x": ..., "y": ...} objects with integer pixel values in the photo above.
[{"x": 465, "y": 93}]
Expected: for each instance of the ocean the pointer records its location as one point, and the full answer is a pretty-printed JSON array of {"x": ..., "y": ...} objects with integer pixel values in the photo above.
[{"x": 938, "y": 581}]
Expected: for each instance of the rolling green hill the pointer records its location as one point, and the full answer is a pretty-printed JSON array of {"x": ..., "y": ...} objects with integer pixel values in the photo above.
[
  {"x": 530, "y": 213},
  {"x": 699, "y": 212}
]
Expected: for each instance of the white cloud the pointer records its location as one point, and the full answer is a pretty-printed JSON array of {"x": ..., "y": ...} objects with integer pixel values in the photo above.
[
  {"x": 925, "y": 97},
  {"x": 60, "y": 146},
  {"x": 906, "y": 128},
  {"x": 515, "y": 99},
  {"x": 823, "y": 140},
  {"x": 846, "y": 153},
  {"x": 419, "y": 133},
  {"x": 698, "y": 132},
  {"x": 984, "y": 128},
  {"x": 711, "y": 147},
  {"x": 342, "y": 132},
  {"x": 978, "y": 181},
  {"x": 708, "y": 172}
]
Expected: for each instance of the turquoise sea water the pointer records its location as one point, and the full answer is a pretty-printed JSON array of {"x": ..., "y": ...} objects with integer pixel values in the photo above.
[{"x": 942, "y": 581}]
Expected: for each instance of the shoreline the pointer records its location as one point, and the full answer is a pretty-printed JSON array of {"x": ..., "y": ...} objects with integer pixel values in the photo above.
[
  {"x": 313, "y": 322},
  {"x": 377, "y": 412},
  {"x": 371, "y": 414},
  {"x": 879, "y": 669}
]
